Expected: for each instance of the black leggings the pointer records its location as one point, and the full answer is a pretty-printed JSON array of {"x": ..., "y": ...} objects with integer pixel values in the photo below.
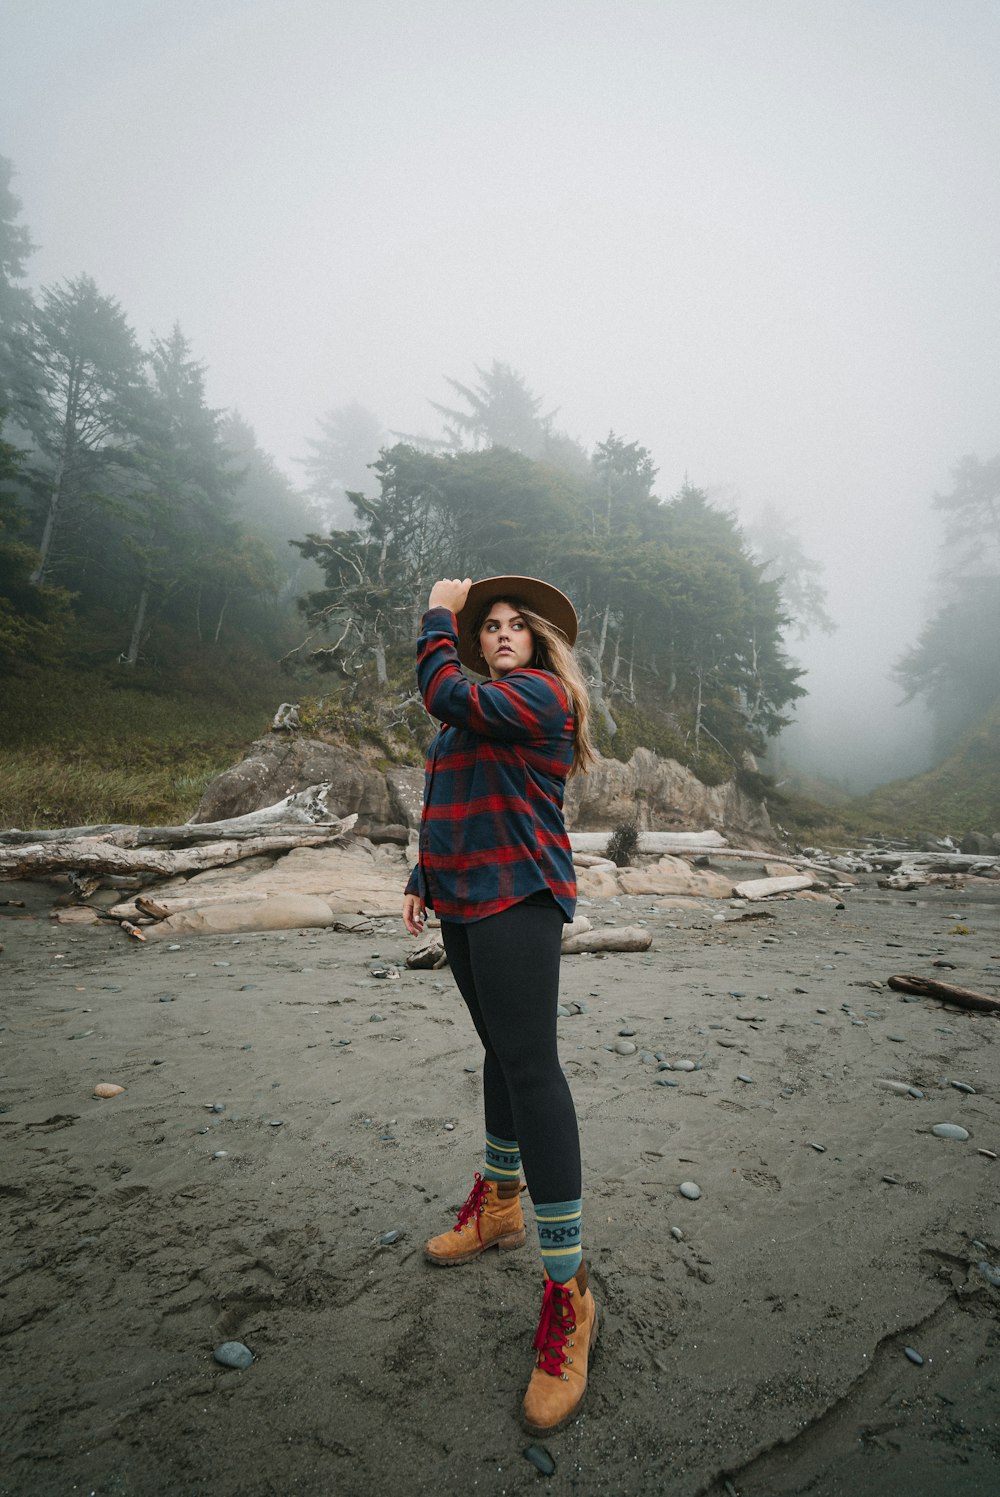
[{"x": 507, "y": 970}]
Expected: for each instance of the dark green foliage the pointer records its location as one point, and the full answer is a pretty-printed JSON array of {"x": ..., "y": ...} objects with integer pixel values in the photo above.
[
  {"x": 33, "y": 618},
  {"x": 623, "y": 843}
]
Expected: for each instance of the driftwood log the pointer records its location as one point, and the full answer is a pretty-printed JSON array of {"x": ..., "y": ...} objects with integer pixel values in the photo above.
[
  {"x": 305, "y": 808},
  {"x": 930, "y": 987},
  {"x": 611, "y": 938},
  {"x": 95, "y": 855}
]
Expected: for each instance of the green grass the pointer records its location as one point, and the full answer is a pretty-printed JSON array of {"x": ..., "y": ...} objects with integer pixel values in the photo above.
[{"x": 85, "y": 747}]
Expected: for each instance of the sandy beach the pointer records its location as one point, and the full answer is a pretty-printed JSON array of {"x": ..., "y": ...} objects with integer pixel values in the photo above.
[{"x": 759, "y": 1352}]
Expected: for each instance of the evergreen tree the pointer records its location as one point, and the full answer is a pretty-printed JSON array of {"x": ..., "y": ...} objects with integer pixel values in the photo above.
[
  {"x": 32, "y": 618},
  {"x": 83, "y": 409},
  {"x": 349, "y": 442},
  {"x": 502, "y": 412},
  {"x": 15, "y": 301}
]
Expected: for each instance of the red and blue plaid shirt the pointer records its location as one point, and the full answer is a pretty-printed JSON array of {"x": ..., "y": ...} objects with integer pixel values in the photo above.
[{"x": 492, "y": 831}]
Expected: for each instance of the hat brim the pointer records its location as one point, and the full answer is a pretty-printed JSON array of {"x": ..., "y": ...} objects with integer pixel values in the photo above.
[{"x": 540, "y": 597}]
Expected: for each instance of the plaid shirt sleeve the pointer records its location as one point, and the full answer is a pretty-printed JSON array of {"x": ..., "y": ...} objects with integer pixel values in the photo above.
[{"x": 525, "y": 705}]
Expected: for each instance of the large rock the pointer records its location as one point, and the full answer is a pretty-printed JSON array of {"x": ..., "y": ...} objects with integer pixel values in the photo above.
[
  {"x": 277, "y": 766},
  {"x": 661, "y": 795}
]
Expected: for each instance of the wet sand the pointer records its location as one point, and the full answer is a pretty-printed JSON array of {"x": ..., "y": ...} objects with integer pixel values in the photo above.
[{"x": 762, "y": 1354}]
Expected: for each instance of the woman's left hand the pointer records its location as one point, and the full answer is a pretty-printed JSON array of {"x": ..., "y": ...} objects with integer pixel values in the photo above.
[{"x": 451, "y": 593}]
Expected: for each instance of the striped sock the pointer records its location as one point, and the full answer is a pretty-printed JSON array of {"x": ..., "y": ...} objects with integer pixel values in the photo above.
[
  {"x": 559, "y": 1224},
  {"x": 503, "y": 1159}
]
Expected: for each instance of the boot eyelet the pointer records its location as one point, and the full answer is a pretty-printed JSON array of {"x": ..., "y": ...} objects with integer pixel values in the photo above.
[{"x": 564, "y": 1376}]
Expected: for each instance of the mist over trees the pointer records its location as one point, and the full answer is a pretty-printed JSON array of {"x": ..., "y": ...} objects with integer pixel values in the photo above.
[
  {"x": 142, "y": 524},
  {"x": 955, "y": 663}
]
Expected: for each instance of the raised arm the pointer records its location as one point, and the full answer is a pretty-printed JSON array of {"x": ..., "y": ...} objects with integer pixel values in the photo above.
[{"x": 525, "y": 705}]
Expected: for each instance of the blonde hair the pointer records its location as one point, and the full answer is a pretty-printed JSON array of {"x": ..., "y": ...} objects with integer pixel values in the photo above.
[{"x": 554, "y": 653}]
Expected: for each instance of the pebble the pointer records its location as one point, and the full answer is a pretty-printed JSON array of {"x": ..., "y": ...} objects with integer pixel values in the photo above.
[
  {"x": 820, "y": 1148},
  {"x": 388, "y": 1238},
  {"x": 897, "y": 1039},
  {"x": 648, "y": 1058},
  {"x": 221, "y": 1154},
  {"x": 173, "y": 948},
  {"x": 376, "y": 1018},
  {"x": 949, "y": 1130},
  {"x": 728, "y": 1044},
  {"x": 901, "y": 1088},
  {"x": 891, "y": 1179},
  {"x": 690, "y": 1191},
  {"x": 915, "y": 1092},
  {"x": 990, "y": 1274},
  {"x": 666, "y": 1081},
  {"x": 626, "y": 1033},
  {"x": 913, "y": 1355},
  {"x": 276, "y": 1123},
  {"x": 233, "y": 1354},
  {"x": 449, "y": 1127},
  {"x": 988, "y": 1152},
  {"x": 822, "y": 1010},
  {"x": 472, "y": 1069},
  {"x": 677, "y": 1234},
  {"x": 221, "y": 964},
  {"x": 167, "y": 998},
  {"x": 540, "y": 1459},
  {"x": 562, "y": 1011},
  {"x": 747, "y": 1080},
  {"x": 963, "y": 1086},
  {"x": 684, "y": 1065},
  {"x": 624, "y": 1047}
]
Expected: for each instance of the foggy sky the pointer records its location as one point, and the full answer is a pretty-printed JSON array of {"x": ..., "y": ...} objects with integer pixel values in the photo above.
[{"x": 758, "y": 236}]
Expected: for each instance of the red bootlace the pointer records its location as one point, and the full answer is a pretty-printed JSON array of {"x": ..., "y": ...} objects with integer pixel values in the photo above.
[
  {"x": 474, "y": 1205},
  {"x": 554, "y": 1325}
]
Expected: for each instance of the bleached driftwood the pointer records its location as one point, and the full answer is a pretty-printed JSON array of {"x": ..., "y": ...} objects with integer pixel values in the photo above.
[
  {"x": 652, "y": 842},
  {"x": 614, "y": 938},
  {"x": 95, "y": 855},
  {"x": 304, "y": 808},
  {"x": 763, "y": 888}
]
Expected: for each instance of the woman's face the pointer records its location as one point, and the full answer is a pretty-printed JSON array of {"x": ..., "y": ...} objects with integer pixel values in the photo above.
[{"x": 506, "y": 640}]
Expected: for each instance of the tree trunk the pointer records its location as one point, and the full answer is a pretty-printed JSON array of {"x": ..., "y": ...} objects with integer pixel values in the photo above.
[
  {"x": 85, "y": 855},
  {"x": 380, "y": 669},
  {"x": 139, "y": 625}
]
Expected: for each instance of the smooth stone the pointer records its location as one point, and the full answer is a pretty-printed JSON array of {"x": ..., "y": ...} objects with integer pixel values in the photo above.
[
  {"x": 562, "y": 1011},
  {"x": 648, "y": 1058},
  {"x": 899, "y": 1087},
  {"x": 891, "y": 1179},
  {"x": 233, "y": 1354},
  {"x": 173, "y": 948},
  {"x": 915, "y": 1092},
  {"x": 540, "y": 1459},
  {"x": 626, "y": 1033},
  {"x": 473, "y": 1069},
  {"x": 727, "y": 1045},
  {"x": 690, "y": 1191},
  {"x": 990, "y": 1274},
  {"x": 218, "y": 1106},
  {"x": 388, "y": 1238},
  {"x": 896, "y": 1039},
  {"x": 666, "y": 1081},
  {"x": 913, "y": 1355},
  {"x": 685, "y": 1065},
  {"x": 624, "y": 1047},
  {"x": 949, "y": 1130},
  {"x": 988, "y": 1152},
  {"x": 276, "y": 1123},
  {"x": 747, "y": 1080},
  {"x": 820, "y": 1148},
  {"x": 221, "y": 1154},
  {"x": 376, "y": 1018},
  {"x": 167, "y": 998},
  {"x": 963, "y": 1086},
  {"x": 221, "y": 964}
]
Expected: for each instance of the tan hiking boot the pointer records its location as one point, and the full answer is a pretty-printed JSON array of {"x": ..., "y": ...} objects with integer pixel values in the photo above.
[
  {"x": 491, "y": 1217},
  {"x": 567, "y": 1331}
]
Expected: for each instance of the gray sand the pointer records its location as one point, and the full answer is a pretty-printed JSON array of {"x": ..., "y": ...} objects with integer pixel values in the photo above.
[{"x": 764, "y": 1349}]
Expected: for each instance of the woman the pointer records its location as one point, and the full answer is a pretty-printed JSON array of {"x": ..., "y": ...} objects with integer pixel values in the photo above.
[{"x": 495, "y": 866}]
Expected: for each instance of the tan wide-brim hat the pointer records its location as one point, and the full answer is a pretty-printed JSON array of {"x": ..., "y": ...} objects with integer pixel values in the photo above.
[{"x": 540, "y": 597}]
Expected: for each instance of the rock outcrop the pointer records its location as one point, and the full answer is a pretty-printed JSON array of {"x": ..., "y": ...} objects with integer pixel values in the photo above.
[{"x": 659, "y": 794}]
